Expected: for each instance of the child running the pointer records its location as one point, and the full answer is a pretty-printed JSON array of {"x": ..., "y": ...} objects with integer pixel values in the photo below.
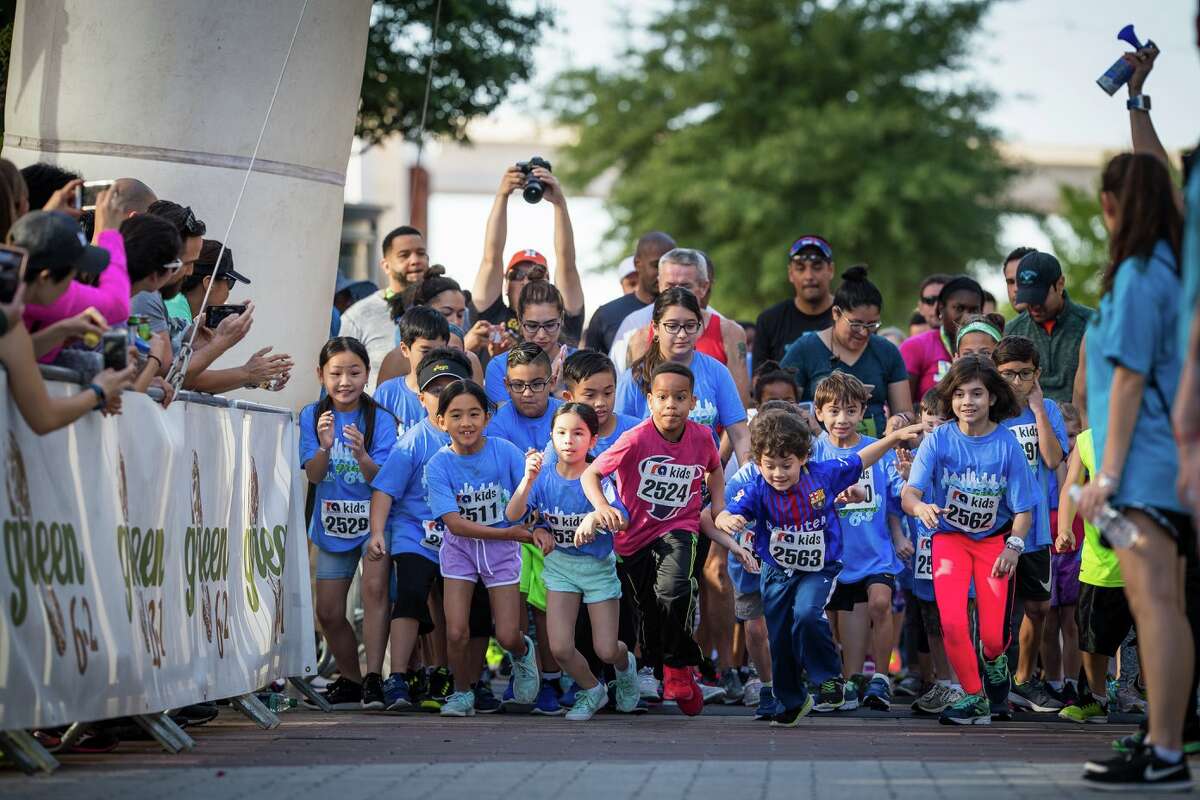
[
  {"x": 800, "y": 544},
  {"x": 343, "y": 440},
  {"x": 977, "y": 477},
  {"x": 581, "y": 566},
  {"x": 469, "y": 484}
]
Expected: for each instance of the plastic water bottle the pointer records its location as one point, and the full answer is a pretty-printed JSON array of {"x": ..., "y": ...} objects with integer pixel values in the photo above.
[
  {"x": 1114, "y": 528},
  {"x": 277, "y": 702}
]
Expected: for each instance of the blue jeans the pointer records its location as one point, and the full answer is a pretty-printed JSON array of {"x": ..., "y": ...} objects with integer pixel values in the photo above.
[{"x": 798, "y": 629}]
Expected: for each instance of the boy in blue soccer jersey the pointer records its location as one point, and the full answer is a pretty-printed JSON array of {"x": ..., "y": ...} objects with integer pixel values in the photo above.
[{"x": 792, "y": 500}]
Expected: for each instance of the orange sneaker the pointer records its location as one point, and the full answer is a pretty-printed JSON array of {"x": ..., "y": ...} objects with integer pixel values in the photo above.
[{"x": 680, "y": 685}]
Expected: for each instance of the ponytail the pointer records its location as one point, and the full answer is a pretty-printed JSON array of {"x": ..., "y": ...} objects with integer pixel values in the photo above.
[{"x": 366, "y": 403}]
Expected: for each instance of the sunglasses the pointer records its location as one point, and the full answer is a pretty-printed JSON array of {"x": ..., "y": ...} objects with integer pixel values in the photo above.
[
  {"x": 172, "y": 266},
  {"x": 535, "y": 273},
  {"x": 929, "y": 299},
  {"x": 812, "y": 259}
]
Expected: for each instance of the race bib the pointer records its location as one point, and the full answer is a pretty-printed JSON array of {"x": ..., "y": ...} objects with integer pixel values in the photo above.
[
  {"x": 484, "y": 506},
  {"x": 1027, "y": 436},
  {"x": 970, "y": 512},
  {"x": 746, "y": 540},
  {"x": 562, "y": 527},
  {"x": 923, "y": 565},
  {"x": 434, "y": 532},
  {"x": 801, "y": 550},
  {"x": 664, "y": 483},
  {"x": 866, "y": 483},
  {"x": 346, "y": 519}
]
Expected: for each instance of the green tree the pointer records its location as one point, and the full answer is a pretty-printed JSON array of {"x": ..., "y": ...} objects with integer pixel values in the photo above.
[
  {"x": 742, "y": 124},
  {"x": 483, "y": 48},
  {"x": 1077, "y": 237}
]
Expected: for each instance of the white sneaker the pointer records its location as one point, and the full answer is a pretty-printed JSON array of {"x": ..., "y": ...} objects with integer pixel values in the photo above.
[
  {"x": 751, "y": 692},
  {"x": 712, "y": 694},
  {"x": 648, "y": 685}
]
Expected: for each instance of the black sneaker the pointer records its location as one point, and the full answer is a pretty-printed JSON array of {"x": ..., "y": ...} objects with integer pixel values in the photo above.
[
  {"x": 343, "y": 694},
  {"x": 418, "y": 686},
  {"x": 1141, "y": 769},
  {"x": 485, "y": 698},
  {"x": 372, "y": 692},
  {"x": 441, "y": 686},
  {"x": 791, "y": 717},
  {"x": 831, "y": 695}
]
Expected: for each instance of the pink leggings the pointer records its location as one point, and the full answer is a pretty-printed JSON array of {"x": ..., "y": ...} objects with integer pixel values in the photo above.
[{"x": 956, "y": 559}]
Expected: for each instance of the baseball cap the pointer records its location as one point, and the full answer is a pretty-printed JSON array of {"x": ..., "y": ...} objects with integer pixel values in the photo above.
[
  {"x": 626, "y": 268},
  {"x": 54, "y": 239},
  {"x": 207, "y": 264},
  {"x": 1036, "y": 273},
  {"x": 811, "y": 241},
  {"x": 522, "y": 256},
  {"x": 442, "y": 368}
]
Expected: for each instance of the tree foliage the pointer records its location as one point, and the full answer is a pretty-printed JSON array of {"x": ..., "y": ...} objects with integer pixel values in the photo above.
[
  {"x": 1077, "y": 237},
  {"x": 742, "y": 124},
  {"x": 483, "y": 48}
]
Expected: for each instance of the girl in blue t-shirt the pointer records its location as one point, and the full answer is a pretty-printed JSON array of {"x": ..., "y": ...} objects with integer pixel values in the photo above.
[
  {"x": 579, "y": 564},
  {"x": 343, "y": 440},
  {"x": 970, "y": 484}
]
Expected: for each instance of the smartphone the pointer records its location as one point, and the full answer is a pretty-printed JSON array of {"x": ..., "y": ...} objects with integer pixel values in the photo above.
[
  {"x": 115, "y": 347},
  {"x": 214, "y": 314},
  {"x": 85, "y": 195},
  {"x": 12, "y": 270}
]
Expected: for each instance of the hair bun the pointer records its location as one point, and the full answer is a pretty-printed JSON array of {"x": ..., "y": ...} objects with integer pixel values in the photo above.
[
  {"x": 434, "y": 271},
  {"x": 856, "y": 273}
]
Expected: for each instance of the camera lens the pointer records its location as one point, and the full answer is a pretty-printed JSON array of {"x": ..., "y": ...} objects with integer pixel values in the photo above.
[{"x": 533, "y": 190}]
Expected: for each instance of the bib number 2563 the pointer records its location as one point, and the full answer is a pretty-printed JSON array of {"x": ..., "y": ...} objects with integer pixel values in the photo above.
[{"x": 800, "y": 550}]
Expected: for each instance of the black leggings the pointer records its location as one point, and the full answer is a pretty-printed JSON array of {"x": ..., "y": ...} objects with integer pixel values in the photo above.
[{"x": 658, "y": 580}]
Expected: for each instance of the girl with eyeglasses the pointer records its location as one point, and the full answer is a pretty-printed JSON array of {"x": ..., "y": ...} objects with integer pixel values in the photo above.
[
  {"x": 853, "y": 346},
  {"x": 540, "y": 315}
]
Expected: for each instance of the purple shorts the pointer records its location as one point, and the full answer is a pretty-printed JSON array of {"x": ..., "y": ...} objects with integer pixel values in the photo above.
[
  {"x": 495, "y": 562},
  {"x": 1064, "y": 578}
]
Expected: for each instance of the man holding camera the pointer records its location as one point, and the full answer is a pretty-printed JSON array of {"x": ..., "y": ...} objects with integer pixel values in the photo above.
[{"x": 494, "y": 285}]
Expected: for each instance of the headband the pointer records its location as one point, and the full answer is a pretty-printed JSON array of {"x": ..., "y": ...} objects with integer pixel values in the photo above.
[{"x": 978, "y": 326}]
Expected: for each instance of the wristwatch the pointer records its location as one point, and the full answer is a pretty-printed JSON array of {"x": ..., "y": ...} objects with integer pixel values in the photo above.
[
  {"x": 1139, "y": 102},
  {"x": 1016, "y": 544},
  {"x": 1106, "y": 481},
  {"x": 101, "y": 400}
]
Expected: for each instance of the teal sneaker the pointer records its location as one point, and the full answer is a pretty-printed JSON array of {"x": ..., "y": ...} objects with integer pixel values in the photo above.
[
  {"x": 527, "y": 681},
  {"x": 973, "y": 709},
  {"x": 997, "y": 682},
  {"x": 459, "y": 704},
  {"x": 588, "y": 702},
  {"x": 628, "y": 692}
]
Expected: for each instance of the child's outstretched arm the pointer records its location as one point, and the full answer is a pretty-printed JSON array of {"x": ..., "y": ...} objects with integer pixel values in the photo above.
[
  {"x": 876, "y": 450},
  {"x": 716, "y": 490},
  {"x": 710, "y": 529},
  {"x": 606, "y": 516},
  {"x": 461, "y": 526}
]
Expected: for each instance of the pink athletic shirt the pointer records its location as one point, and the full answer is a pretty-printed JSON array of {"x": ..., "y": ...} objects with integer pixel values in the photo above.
[{"x": 925, "y": 356}]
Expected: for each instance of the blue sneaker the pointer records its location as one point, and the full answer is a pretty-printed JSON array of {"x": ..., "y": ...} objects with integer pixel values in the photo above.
[
  {"x": 459, "y": 704},
  {"x": 527, "y": 679},
  {"x": 547, "y": 701},
  {"x": 508, "y": 702},
  {"x": 768, "y": 706},
  {"x": 879, "y": 694},
  {"x": 395, "y": 693},
  {"x": 568, "y": 689}
]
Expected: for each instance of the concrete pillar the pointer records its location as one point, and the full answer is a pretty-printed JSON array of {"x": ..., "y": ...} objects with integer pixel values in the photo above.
[{"x": 174, "y": 93}]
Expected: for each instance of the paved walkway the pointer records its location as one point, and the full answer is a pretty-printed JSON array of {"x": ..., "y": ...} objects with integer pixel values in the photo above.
[{"x": 722, "y": 754}]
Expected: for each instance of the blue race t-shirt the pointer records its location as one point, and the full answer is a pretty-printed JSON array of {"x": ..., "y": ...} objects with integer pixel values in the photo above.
[
  {"x": 412, "y": 527},
  {"x": 718, "y": 404},
  {"x": 394, "y": 395},
  {"x": 624, "y": 423},
  {"x": 341, "y": 517},
  {"x": 562, "y": 505},
  {"x": 1024, "y": 427},
  {"x": 1136, "y": 328},
  {"x": 477, "y": 486},
  {"x": 867, "y": 539},
  {"x": 735, "y": 486},
  {"x": 801, "y": 526},
  {"x": 524, "y": 432},
  {"x": 979, "y": 482}
]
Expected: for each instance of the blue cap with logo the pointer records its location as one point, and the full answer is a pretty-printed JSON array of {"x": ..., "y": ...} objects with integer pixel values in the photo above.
[
  {"x": 1036, "y": 273},
  {"x": 811, "y": 242}
]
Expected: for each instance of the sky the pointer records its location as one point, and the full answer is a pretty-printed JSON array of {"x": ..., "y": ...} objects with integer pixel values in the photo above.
[{"x": 1041, "y": 56}]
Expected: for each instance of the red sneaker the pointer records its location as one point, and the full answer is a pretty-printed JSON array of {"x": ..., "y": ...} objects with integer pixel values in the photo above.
[{"x": 680, "y": 685}]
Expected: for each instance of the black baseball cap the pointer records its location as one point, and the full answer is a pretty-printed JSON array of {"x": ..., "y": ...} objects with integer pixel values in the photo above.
[
  {"x": 441, "y": 368},
  {"x": 1036, "y": 273},
  {"x": 207, "y": 264},
  {"x": 54, "y": 239}
]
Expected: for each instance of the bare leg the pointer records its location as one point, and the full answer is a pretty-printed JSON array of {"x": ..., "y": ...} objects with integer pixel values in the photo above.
[
  {"x": 339, "y": 633},
  {"x": 456, "y": 597},
  {"x": 879, "y": 609},
  {"x": 718, "y": 610},
  {"x": 759, "y": 647},
  {"x": 855, "y": 629},
  {"x": 377, "y": 610}
]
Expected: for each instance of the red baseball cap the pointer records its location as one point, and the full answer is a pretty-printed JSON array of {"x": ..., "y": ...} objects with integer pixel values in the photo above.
[{"x": 521, "y": 256}]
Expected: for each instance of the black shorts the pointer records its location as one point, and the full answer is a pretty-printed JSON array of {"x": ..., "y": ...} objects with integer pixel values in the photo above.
[
  {"x": 1033, "y": 576},
  {"x": 848, "y": 595},
  {"x": 931, "y": 620},
  {"x": 415, "y": 576},
  {"x": 1178, "y": 526},
  {"x": 1104, "y": 619}
]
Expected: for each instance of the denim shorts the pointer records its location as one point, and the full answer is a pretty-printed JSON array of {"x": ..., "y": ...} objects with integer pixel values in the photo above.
[
  {"x": 594, "y": 578},
  {"x": 339, "y": 566}
]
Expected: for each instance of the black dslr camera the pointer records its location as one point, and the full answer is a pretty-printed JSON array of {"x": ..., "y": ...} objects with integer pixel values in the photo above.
[{"x": 534, "y": 188}]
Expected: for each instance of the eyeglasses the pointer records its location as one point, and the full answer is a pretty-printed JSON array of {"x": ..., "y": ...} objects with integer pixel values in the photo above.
[
  {"x": 531, "y": 327},
  {"x": 929, "y": 299},
  {"x": 1012, "y": 375},
  {"x": 673, "y": 328},
  {"x": 171, "y": 266},
  {"x": 536, "y": 387},
  {"x": 864, "y": 327}
]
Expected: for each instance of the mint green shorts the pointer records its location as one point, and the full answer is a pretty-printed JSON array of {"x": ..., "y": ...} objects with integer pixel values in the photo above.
[{"x": 594, "y": 578}]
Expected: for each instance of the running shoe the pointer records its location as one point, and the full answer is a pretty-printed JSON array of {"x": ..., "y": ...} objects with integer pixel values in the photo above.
[
  {"x": 1065, "y": 695},
  {"x": 1129, "y": 701},
  {"x": 459, "y": 704},
  {"x": 768, "y": 706},
  {"x": 731, "y": 682},
  {"x": 418, "y": 687},
  {"x": 751, "y": 690},
  {"x": 711, "y": 694},
  {"x": 343, "y": 694},
  {"x": 509, "y": 703},
  {"x": 997, "y": 682},
  {"x": 372, "y": 692},
  {"x": 1032, "y": 696},
  {"x": 547, "y": 704},
  {"x": 791, "y": 718},
  {"x": 934, "y": 701},
  {"x": 859, "y": 681},
  {"x": 1090, "y": 712},
  {"x": 526, "y": 679},
  {"x": 831, "y": 695},
  {"x": 972, "y": 709},
  {"x": 627, "y": 694},
  {"x": 588, "y": 702},
  {"x": 879, "y": 694},
  {"x": 1141, "y": 769},
  {"x": 395, "y": 693},
  {"x": 485, "y": 699},
  {"x": 680, "y": 685},
  {"x": 568, "y": 689},
  {"x": 441, "y": 686},
  {"x": 1002, "y": 711},
  {"x": 909, "y": 686},
  {"x": 1127, "y": 744},
  {"x": 850, "y": 697},
  {"x": 648, "y": 685}
]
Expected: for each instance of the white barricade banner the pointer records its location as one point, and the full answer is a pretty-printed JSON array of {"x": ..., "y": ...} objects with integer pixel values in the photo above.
[{"x": 150, "y": 561}]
